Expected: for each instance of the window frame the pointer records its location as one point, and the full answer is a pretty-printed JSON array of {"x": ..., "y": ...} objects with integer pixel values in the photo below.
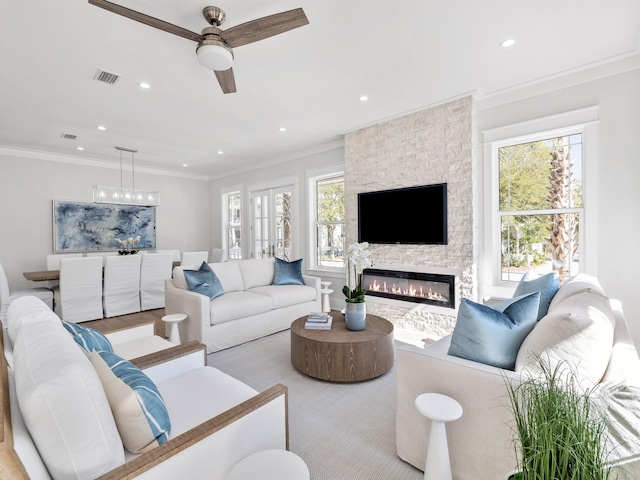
[
  {"x": 584, "y": 121},
  {"x": 313, "y": 177},
  {"x": 225, "y": 194}
]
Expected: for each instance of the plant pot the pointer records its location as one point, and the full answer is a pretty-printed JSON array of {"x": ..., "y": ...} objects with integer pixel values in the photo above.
[
  {"x": 513, "y": 475},
  {"x": 355, "y": 316}
]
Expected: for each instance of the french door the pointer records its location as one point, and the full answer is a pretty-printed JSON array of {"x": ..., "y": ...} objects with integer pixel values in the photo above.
[{"x": 272, "y": 223}]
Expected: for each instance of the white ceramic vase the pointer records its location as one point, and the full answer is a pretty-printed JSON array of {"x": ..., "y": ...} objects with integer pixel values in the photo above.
[{"x": 355, "y": 316}]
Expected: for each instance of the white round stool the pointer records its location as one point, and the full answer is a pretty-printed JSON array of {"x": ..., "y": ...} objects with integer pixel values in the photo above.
[
  {"x": 270, "y": 465},
  {"x": 174, "y": 319},
  {"x": 439, "y": 409},
  {"x": 326, "y": 291}
]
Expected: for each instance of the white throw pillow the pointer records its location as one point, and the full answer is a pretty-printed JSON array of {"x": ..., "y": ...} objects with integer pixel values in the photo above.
[
  {"x": 578, "y": 331},
  {"x": 577, "y": 284}
]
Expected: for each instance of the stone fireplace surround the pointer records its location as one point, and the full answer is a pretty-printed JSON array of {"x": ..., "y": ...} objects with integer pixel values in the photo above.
[{"x": 434, "y": 145}]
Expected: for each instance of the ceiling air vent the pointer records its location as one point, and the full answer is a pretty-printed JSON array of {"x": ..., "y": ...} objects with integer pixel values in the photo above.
[
  {"x": 69, "y": 136},
  {"x": 106, "y": 77}
]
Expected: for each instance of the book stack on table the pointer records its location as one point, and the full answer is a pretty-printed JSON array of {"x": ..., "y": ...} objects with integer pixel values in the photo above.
[{"x": 318, "y": 321}]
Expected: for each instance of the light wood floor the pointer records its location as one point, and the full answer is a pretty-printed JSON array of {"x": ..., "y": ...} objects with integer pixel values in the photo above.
[{"x": 115, "y": 323}]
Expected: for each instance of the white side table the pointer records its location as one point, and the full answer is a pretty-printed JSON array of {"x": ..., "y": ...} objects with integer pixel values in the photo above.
[
  {"x": 173, "y": 320},
  {"x": 326, "y": 291},
  {"x": 270, "y": 465},
  {"x": 439, "y": 409}
]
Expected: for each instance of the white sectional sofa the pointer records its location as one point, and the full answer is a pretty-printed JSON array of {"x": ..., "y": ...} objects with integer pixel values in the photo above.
[
  {"x": 480, "y": 442},
  {"x": 251, "y": 306},
  {"x": 60, "y": 423}
]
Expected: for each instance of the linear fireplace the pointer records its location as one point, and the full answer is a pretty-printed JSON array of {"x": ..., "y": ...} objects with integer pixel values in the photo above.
[{"x": 417, "y": 287}]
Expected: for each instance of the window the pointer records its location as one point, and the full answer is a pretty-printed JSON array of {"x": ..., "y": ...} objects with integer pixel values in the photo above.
[
  {"x": 232, "y": 225},
  {"x": 328, "y": 220},
  {"x": 540, "y": 205}
]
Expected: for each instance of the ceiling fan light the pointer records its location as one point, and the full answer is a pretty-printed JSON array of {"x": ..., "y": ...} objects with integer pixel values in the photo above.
[{"x": 215, "y": 56}]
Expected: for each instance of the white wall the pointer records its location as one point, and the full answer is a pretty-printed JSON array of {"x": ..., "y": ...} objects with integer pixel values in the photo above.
[
  {"x": 29, "y": 183},
  {"x": 618, "y": 229}
]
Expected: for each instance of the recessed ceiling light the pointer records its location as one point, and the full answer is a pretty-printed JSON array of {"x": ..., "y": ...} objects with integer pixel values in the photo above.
[
  {"x": 185, "y": 165},
  {"x": 80, "y": 148},
  {"x": 509, "y": 42},
  {"x": 220, "y": 152},
  {"x": 364, "y": 98},
  {"x": 101, "y": 127},
  {"x": 144, "y": 85},
  {"x": 283, "y": 129}
]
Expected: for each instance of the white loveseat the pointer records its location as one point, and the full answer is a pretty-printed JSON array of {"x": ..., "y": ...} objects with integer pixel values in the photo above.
[
  {"x": 58, "y": 422},
  {"x": 480, "y": 442},
  {"x": 251, "y": 306}
]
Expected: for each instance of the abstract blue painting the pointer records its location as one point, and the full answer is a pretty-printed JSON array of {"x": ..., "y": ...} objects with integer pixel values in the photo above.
[{"x": 82, "y": 226}]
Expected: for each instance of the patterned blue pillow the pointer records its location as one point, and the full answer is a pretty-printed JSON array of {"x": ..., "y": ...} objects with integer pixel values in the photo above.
[
  {"x": 288, "y": 273},
  {"x": 547, "y": 285},
  {"x": 138, "y": 408},
  {"x": 88, "y": 338},
  {"x": 493, "y": 334},
  {"x": 204, "y": 281}
]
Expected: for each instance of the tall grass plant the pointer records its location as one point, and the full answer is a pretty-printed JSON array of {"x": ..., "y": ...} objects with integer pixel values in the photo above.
[{"x": 559, "y": 432}]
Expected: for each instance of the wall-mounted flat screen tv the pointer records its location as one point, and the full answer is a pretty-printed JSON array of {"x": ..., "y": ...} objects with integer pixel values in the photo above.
[{"x": 414, "y": 215}]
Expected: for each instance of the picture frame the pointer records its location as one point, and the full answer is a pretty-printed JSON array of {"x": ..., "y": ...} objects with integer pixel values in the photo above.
[{"x": 86, "y": 226}]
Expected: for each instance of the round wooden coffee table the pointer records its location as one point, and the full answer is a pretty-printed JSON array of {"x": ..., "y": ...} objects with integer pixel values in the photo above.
[{"x": 341, "y": 355}]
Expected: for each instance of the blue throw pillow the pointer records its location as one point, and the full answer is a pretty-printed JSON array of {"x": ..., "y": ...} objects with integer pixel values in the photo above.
[
  {"x": 204, "y": 281},
  {"x": 88, "y": 338},
  {"x": 138, "y": 408},
  {"x": 288, "y": 273},
  {"x": 493, "y": 334},
  {"x": 547, "y": 285}
]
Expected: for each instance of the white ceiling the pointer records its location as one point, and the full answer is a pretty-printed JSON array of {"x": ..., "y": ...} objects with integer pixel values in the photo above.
[{"x": 403, "y": 54}]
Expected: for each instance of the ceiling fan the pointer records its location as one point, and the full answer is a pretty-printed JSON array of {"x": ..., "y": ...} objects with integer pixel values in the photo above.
[{"x": 215, "y": 45}]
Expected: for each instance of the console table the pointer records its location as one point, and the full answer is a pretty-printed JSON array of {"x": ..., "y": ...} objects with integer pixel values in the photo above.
[{"x": 341, "y": 355}]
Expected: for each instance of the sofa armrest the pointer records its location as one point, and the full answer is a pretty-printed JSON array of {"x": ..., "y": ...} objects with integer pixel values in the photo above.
[
  {"x": 172, "y": 362},
  {"x": 315, "y": 283},
  {"x": 212, "y": 448},
  {"x": 480, "y": 441},
  {"x": 128, "y": 333},
  {"x": 194, "y": 305}
]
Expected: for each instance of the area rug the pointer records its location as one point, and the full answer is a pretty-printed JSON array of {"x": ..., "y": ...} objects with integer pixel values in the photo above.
[{"x": 342, "y": 431}]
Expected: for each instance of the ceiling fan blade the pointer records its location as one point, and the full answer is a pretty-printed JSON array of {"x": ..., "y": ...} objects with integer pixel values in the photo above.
[
  {"x": 147, "y": 20},
  {"x": 264, "y": 27},
  {"x": 226, "y": 80}
]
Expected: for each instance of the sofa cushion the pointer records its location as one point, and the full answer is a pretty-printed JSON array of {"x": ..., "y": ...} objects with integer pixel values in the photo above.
[
  {"x": 287, "y": 295},
  {"x": 229, "y": 275},
  {"x": 138, "y": 408},
  {"x": 88, "y": 338},
  {"x": 63, "y": 404},
  {"x": 203, "y": 281},
  {"x": 493, "y": 334},
  {"x": 546, "y": 284},
  {"x": 257, "y": 272},
  {"x": 288, "y": 273},
  {"x": 234, "y": 305},
  {"x": 576, "y": 284},
  {"x": 578, "y": 331},
  {"x": 25, "y": 311}
]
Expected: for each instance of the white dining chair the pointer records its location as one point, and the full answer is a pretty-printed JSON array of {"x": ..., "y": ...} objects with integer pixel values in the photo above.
[
  {"x": 7, "y": 296},
  {"x": 194, "y": 259},
  {"x": 155, "y": 268},
  {"x": 103, "y": 255},
  {"x": 121, "y": 294},
  {"x": 218, "y": 255},
  {"x": 78, "y": 298},
  {"x": 53, "y": 260},
  {"x": 175, "y": 253}
]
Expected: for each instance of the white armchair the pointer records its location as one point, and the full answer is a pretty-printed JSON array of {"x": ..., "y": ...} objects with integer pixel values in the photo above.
[{"x": 216, "y": 420}]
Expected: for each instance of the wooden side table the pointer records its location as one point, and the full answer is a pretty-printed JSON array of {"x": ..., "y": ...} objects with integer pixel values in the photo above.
[
  {"x": 173, "y": 320},
  {"x": 341, "y": 355}
]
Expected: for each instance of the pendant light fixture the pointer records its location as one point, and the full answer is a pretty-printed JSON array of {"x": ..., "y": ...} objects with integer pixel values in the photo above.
[{"x": 125, "y": 195}]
